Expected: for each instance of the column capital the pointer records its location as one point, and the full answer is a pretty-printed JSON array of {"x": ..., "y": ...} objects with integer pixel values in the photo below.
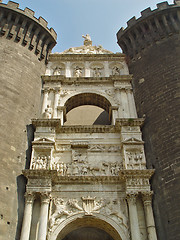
[
  {"x": 45, "y": 90},
  {"x": 57, "y": 90},
  {"x": 147, "y": 197},
  {"x": 29, "y": 197},
  {"x": 131, "y": 197},
  {"x": 45, "y": 197}
]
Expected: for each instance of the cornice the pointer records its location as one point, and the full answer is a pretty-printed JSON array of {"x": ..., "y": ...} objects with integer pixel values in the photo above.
[
  {"x": 56, "y": 123},
  {"x": 57, "y": 178},
  {"x": 86, "y": 80},
  {"x": 145, "y": 173},
  {"x": 87, "y": 57},
  {"x": 129, "y": 122},
  {"x": 37, "y": 122}
]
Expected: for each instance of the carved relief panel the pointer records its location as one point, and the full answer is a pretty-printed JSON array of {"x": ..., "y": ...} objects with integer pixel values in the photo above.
[
  {"x": 134, "y": 156},
  {"x": 62, "y": 209},
  {"x": 42, "y": 154}
]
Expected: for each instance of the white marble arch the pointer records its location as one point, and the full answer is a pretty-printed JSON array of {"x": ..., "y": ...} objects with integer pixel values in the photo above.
[
  {"x": 108, "y": 100},
  {"x": 100, "y": 221},
  {"x": 81, "y": 91}
]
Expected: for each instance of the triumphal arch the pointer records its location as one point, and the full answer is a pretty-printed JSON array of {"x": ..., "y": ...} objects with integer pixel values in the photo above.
[{"x": 88, "y": 180}]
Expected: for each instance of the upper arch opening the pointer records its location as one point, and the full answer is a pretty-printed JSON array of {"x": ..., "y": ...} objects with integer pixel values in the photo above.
[
  {"x": 87, "y": 109},
  {"x": 87, "y": 99}
]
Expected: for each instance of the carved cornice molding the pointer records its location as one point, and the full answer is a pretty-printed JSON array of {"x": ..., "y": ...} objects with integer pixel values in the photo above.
[
  {"x": 144, "y": 173},
  {"x": 37, "y": 122},
  {"x": 129, "y": 122},
  {"x": 57, "y": 178},
  {"x": 120, "y": 57},
  {"x": 86, "y": 129},
  {"x": 86, "y": 80}
]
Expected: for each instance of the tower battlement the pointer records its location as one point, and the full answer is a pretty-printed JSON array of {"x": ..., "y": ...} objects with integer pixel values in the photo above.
[
  {"x": 151, "y": 27},
  {"x": 23, "y": 27}
]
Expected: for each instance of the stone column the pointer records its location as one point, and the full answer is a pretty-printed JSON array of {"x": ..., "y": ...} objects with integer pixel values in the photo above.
[
  {"x": 114, "y": 114},
  {"x": 61, "y": 114},
  {"x": 26, "y": 226},
  {"x": 147, "y": 201},
  {"x": 45, "y": 98},
  {"x": 87, "y": 70},
  {"x": 107, "y": 72},
  {"x": 56, "y": 97},
  {"x": 133, "y": 215},
  {"x": 68, "y": 70},
  {"x": 132, "y": 107},
  {"x": 43, "y": 220}
]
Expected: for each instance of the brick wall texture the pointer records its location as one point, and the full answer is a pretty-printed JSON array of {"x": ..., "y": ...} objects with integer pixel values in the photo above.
[
  {"x": 156, "y": 85},
  {"x": 20, "y": 81}
]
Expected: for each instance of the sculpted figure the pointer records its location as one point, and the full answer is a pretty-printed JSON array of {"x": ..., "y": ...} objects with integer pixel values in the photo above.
[
  {"x": 87, "y": 40},
  {"x": 97, "y": 72},
  {"x": 116, "y": 71},
  {"x": 69, "y": 169},
  {"x": 75, "y": 170},
  {"x": 48, "y": 112},
  {"x": 77, "y": 72},
  {"x": 60, "y": 210},
  {"x": 57, "y": 71}
]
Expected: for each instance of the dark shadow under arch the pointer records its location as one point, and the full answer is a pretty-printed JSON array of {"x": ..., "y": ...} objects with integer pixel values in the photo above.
[
  {"x": 88, "y": 233},
  {"x": 89, "y": 224},
  {"x": 87, "y": 99}
]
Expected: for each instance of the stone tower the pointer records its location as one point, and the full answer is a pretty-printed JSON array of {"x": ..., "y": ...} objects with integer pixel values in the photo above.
[
  {"x": 88, "y": 181},
  {"x": 25, "y": 43},
  {"x": 152, "y": 46}
]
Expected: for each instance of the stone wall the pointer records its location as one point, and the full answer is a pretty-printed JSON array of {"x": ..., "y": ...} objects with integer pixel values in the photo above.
[
  {"x": 24, "y": 46},
  {"x": 154, "y": 60}
]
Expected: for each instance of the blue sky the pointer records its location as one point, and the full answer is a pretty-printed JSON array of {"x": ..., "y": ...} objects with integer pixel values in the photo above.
[{"x": 100, "y": 18}]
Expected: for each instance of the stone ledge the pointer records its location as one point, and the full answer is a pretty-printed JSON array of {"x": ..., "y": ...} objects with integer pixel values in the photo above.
[
  {"x": 56, "y": 177},
  {"x": 56, "y": 123},
  {"x": 120, "y": 57},
  {"x": 36, "y": 122},
  {"x": 63, "y": 79}
]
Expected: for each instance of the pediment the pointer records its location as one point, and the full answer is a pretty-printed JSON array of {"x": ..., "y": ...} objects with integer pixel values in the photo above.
[
  {"x": 42, "y": 141},
  {"x": 133, "y": 141}
]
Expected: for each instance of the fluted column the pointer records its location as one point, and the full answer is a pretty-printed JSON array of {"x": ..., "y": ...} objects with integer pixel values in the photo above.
[
  {"x": 147, "y": 201},
  {"x": 56, "y": 97},
  {"x": 132, "y": 107},
  {"x": 45, "y": 98},
  {"x": 133, "y": 215},
  {"x": 26, "y": 226},
  {"x": 45, "y": 198}
]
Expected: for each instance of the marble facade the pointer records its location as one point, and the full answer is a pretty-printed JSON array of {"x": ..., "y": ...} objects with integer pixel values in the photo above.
[{"x": 88, "y": 176}]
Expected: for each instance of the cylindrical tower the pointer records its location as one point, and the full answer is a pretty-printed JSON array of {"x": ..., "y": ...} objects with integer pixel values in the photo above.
[
  {"x": 152, "y": 46},
  {"x": 25, "y": 42}
]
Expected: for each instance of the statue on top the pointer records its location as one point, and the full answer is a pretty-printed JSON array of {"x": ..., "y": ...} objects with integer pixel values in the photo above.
[{"x": 87, "y": 40}]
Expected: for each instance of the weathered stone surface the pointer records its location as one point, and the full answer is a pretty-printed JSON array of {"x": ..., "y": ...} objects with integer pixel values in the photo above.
[
  {"x": 20, "y": 82},
  {"x": 155, "y": 68}
]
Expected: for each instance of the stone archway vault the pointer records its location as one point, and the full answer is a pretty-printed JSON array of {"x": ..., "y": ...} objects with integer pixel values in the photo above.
[
  {"x": 87, "y": 99},
  {"x": 79, "y": 221}
]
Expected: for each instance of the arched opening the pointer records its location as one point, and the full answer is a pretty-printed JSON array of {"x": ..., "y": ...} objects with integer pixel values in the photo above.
[
  {"x": 88, "y": 228},
  {"x": 88, "y": 109},
  {"x": 88, "y": 233}
]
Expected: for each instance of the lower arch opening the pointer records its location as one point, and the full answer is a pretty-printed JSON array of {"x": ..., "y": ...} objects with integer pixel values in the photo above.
[
  {"x": 88, "y": 228},
  {"x": 88, "y": 233}
]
